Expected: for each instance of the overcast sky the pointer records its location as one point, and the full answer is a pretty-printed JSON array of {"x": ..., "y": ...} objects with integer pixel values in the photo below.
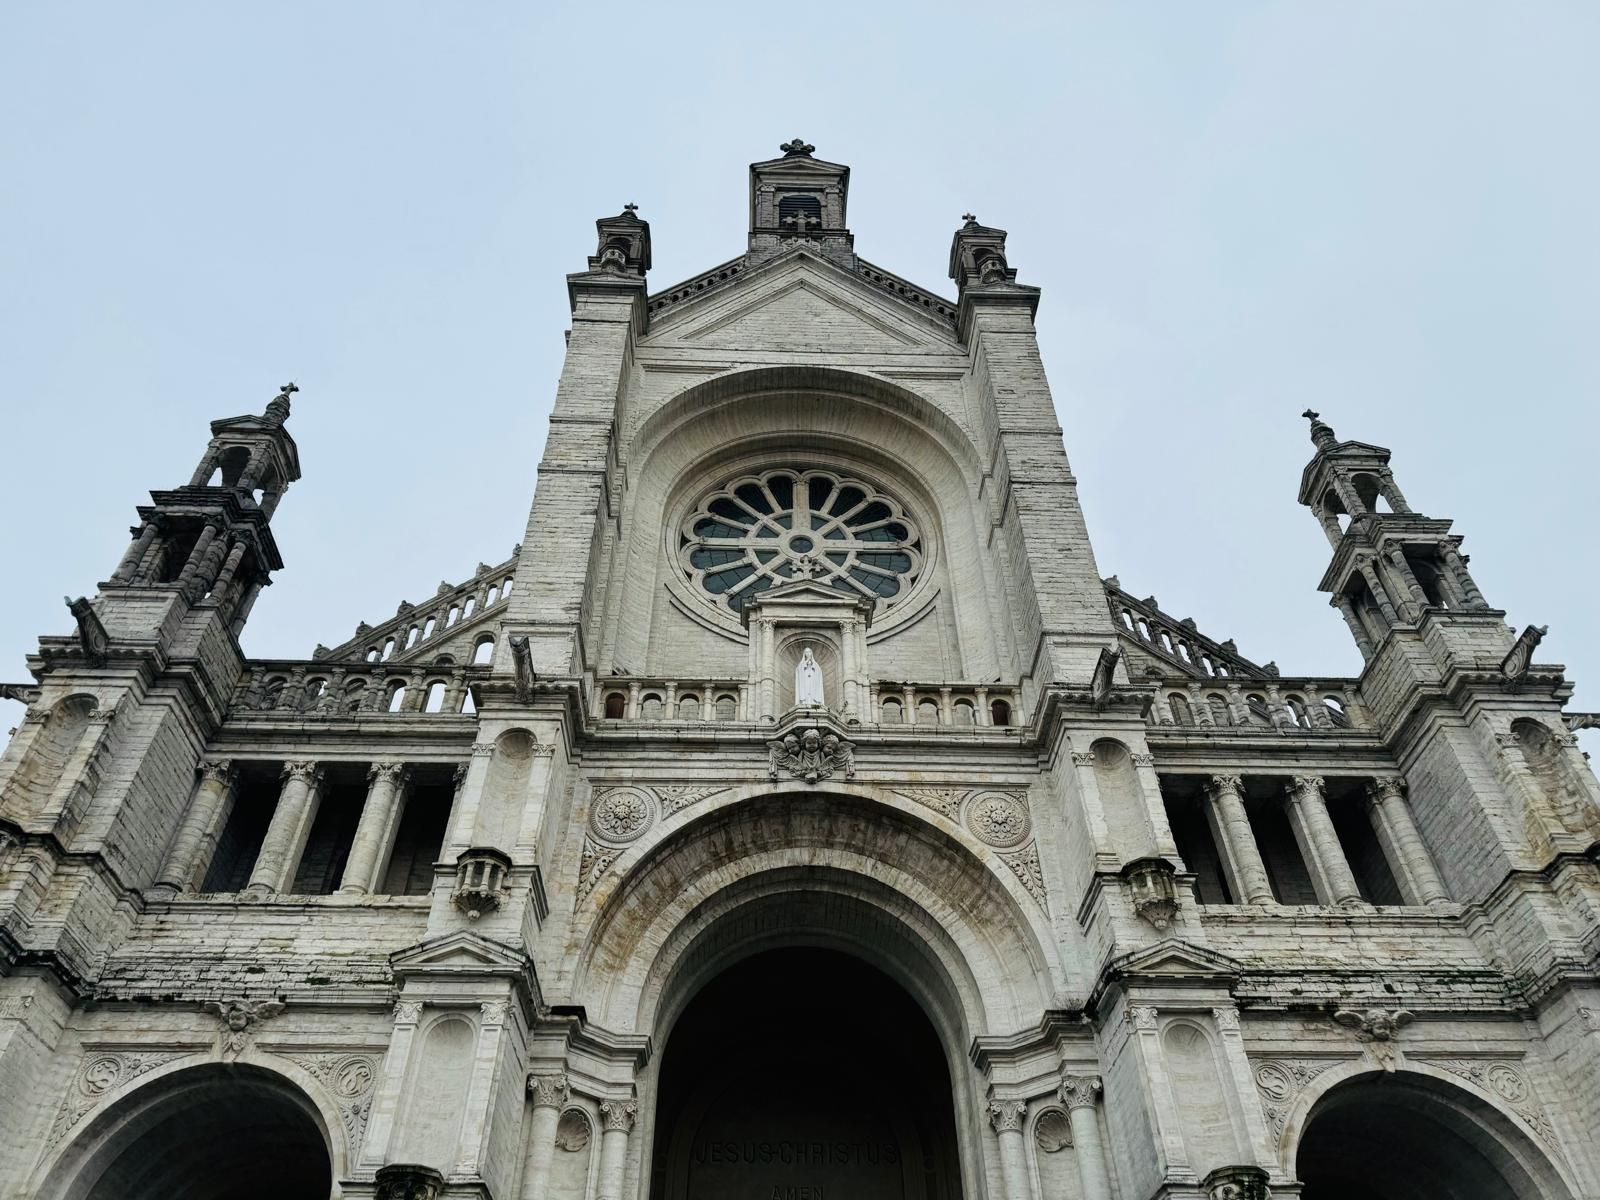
[{"x": 1384, "y": 211}]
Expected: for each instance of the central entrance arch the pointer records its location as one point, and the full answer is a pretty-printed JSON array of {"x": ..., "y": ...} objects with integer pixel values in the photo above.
[{"x": 804, "y": 1074}]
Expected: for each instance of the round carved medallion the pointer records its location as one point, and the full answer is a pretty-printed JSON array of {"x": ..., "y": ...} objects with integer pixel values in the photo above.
[
  {"x": 999, "y": 818},
  {"x": 102, "y": 1074},
  {"x": 621, "y": 814},
  {"x": 352, "y": 1077}
]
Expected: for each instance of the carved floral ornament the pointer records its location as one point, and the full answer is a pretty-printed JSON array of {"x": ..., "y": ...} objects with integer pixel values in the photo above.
[
  {"x": 1006, "y": 1115},
  {"x": 620, "y": 815}
]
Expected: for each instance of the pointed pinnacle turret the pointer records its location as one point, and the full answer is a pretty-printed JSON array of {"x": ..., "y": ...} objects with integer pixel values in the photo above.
[{"x": 1322, "y": 435}]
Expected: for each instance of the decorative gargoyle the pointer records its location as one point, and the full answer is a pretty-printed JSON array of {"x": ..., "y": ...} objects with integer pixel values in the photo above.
[
  {"x": 522, "y": 665},
  {"x": 92, "y": 636},
  {"x": 239, "y": 1021}
]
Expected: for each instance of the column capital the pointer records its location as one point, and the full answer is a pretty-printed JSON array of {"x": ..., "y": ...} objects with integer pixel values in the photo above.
[
  {"x": 549, "y": 1091},
  {"x": 618, "y": 1115},
  {"x": 1302, "y": 785},
  {"x": 1080, "y": 1091},
  {"x": 1006, "y": 1115},
  {"x": 215, "y": 770},
  {"x": 386, "y": 771},
  {"x": 482, "y": 749},
  {"x": 1385, "y": 787},
  {"x": 1230, "y": 784},
  {"x": 299, "y": 769}
]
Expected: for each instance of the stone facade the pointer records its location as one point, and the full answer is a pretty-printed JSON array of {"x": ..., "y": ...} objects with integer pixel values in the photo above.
[{"x": 441, "y": 911}]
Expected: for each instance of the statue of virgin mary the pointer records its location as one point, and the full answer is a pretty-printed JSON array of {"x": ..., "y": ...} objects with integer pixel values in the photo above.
[{"x": 808, "y": 681}]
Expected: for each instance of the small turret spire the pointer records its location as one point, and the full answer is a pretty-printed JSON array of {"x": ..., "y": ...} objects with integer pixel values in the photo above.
[
  {"x": 278, "y": 407},
  {"x": 1322, "y": 435}
]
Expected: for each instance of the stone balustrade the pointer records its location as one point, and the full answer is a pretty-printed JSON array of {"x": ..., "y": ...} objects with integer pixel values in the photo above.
[
  {"x": 889, "y": 703},
  {"x": 344, "y": 689},
  {"x": 1288, "y": 706},
  {"x": 416, "y": 625}
]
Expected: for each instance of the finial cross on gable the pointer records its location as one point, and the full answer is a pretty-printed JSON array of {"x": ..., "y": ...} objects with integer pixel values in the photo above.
[
  {"x": 801, "y": 222},
  {"x": 630, "y": 209},
  {"x": 969, "y": 218},
  {"x": 1309, "y": 415},
  {"x": 288, "y": 389}
]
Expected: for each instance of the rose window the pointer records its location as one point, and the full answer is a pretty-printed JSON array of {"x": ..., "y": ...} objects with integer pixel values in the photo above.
[{"x": 758, "y": 531}]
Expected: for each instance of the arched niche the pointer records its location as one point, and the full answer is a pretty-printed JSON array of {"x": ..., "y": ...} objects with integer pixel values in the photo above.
[
  {"x": 211, "y": 1132},
  {"x": 46, "y": 757},
  {"x": 749, "y": 421},
  {"x": 1122, "y": 799},
  {"x": 1422, "y": 1134},
  {"x": 952, "y": 906},
  {"x": 505, "y": 789}
]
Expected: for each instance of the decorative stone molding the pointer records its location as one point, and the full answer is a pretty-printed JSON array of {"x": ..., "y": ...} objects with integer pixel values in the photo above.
[
  {"x": 480, "y": 880},
  {"x": 1083, "y": 758},
  {"x": 1378, "y": 1028},
  {"x": 1508, "y": 1081},
  {"x": 493, "y": 1012},
  {"x": 1226, "y": 1018},
  {"x": 1006, "y": 1115},
  {"x": 810, "y": 755},
  {"x": 674, "y": 798},
  {"x": 1080, "y": 1091},
  {"x": 1280, "y": 1080},
  {"x": 1142, "y": 1016},
  {"x": 1024, "y": 864},
  {"x": 408, "y": 1181},
  {"x": 407, "y": 1012},
  {"x": 549, "y": 1090},
  {"x": 349, "y": 1079},
  {"x": 596, "y": 861},
  {"x": 240, "y": 1021},
  {"x": 618, "y": 1115},
  {"x": 482, "y": 749},
  {"x": 999, "y": 819},
  {"x": 98, "y": 1073},
  {"x": 1143, "y": 760},
  {"x": 944, "y": 801},
  {"x": 1052, "y": 1132},
  {"x": 622, "y": 814},
  {"x": 215, "y": 770},
  {"x": 1236, "y": 1183},
  {"x": 1153, "y": 888},
  {"x": 573, "y": 1131}
]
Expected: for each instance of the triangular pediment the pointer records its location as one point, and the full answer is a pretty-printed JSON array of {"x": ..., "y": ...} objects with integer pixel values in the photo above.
[
  {"x": 1176, "y": 959},
  {"x": 800, "y": 303},
  {"x": 459, "y": 953}
]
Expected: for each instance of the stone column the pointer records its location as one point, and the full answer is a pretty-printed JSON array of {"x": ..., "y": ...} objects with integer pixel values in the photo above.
[
  {"x": 464, "y": 807},
  {"x": 1319, "y": 842},
  {"x": 191, "y": 568},
  {"x": 1375, "y": 586},
  {"x": 1458, "y": 568},
  {"x": 1230, "y": 825},
  {"x": 246, "y": 602},
  {"x": 1080, "y": 1093},
  {"x": 197, "y": 832},
  {"x": 286, "y": 835},
  {"x": 632, "y": 711},
  {"x": 616, "y": 1122},
  {"x": 549, "y": 1094},
  {"x": 1391, "y": 489},
  {"x": 1007, "y": 1116},
  {"x": 946, "y": 716},
  {"x": 135, "y": 555},
  {"x": 1402, "y": 843},
  {"x": 1347, "y": 610},
  {"x": 1201, "y": 707},
  {"x": 1408, "y": 580},
  {"x": 986, "y": 717},
  {"x": 374, "y": 832},
  {"x": 223, "y": 587}
]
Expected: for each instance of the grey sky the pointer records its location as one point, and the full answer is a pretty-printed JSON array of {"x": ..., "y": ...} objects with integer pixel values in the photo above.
[{"x": 1383, "y": 211}]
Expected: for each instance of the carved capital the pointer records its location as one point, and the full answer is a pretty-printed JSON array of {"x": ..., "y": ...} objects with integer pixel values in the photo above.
[
  {"x": 1307, "y": 785},
  {"x": 549, "y": 1091},
  {"x": 1142, "y": 1016},
  {"x": 1226, "y": 785},
  {"x": 493, "y": 1012},
  {"x": 1080, "y": 1091},
  {"x": 1143, "y": 760},
  {"x": 1006, "y": 1115},
  {"x": 1083, "y": 758},
  {"x": 215, "y": 770},
  {"x": 386, "y": 772},
  {"x": 1386, "y": 787},
  {"x": 482, "y": 749},
  {"x": 407, "y": 1012},
  {"x": 618, "y": 1115},
  {"x": 305, "y": 772},
  {"x": 1226, "y": 1018}
]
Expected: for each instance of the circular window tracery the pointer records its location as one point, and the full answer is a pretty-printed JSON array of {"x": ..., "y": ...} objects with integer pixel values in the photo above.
[{"x": 759, "y": 531}]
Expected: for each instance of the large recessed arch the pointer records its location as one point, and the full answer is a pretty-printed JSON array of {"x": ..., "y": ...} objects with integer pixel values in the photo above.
[
  {"x": 1420, "y": 1133},
  {"x": 206, "y": 1132},
  {"x": 826, "y": 419},
  {"x": 953, "y": 915}
]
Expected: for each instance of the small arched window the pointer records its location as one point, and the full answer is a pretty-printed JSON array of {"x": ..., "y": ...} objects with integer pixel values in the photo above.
[
  {"x": 891, "y": 712},
  {"x": 455, "y": 615},
  {"x": 397, "y": 697},
  {"x": 1181, "y": 714},
  {"x": 505, "y": 588},
  {"x": 355, "y": 691},
  {"x": 468, "y": 704},
  {"x": 798, "y": 214},
  {"x": 927, "y": 712},
  {"x": 1000, "y": 712},
  {"x": 388, "y": 648},
  {"x": 1219, "y": 709},
  {"x": 1256, "y": 705},
  {"x": 374, "y": 654},
  {"x": 434, "y": 701},
  {"x": 1297, "y": 710},
  {"x": 1336, "y": 712},
  {"x": 427, "y": 630},
  {"x": 272, "y": 694},
  {"x": 650, "y": 707},
  {"x": 727, "y": 708},
  {"x": 963, "y": 713},
  {"x": 689, "y": 708},
  {"x": 466, "y": 609},
  {"x": 494, "y": 595},
  {"x": 483, "y": 650},
  {"x": 616, "y": 706},
  {"x": 313, "y": 692},
  {"x": 411, "y": 638}
]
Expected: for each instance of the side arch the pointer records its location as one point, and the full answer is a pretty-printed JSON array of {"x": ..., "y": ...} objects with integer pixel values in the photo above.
[
  {"x": 1529, "y": 1160},
  {"x": 275, "y": 1104}
]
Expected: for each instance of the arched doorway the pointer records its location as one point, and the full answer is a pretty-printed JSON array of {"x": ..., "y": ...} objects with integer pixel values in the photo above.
[
  {"x": 804, "y": 1074},
  {"x": 211, "y": 1133},
  {"x": 1406, "y": 1136}
]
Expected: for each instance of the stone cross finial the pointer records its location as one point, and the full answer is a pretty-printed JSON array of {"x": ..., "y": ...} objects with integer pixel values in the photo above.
[
  {"x": 796, "y": 148},
  {"x": 288, "y": 389},
  {"x": 278, "y": 407},
  {"x": 630, "y": 208},
  {"x": 1322, "y": 435},
  {"x": 970, "y": 218}
]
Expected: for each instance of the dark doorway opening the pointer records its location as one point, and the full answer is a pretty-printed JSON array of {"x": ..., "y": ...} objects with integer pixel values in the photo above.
[{"x": 804, "y": 1074}]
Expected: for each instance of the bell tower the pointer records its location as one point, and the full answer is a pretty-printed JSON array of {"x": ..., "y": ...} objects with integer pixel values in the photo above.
[{"x": 798, "y": 198}]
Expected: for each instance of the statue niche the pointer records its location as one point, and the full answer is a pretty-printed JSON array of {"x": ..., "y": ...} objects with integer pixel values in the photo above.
[{"x": 808, "y": 681}]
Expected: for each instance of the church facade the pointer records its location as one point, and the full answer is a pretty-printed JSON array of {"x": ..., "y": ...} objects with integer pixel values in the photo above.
[{"x": 798, "y": 813}]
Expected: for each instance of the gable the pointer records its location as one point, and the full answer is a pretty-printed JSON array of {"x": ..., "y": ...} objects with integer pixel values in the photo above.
[{"x": 800, "y": 304}]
